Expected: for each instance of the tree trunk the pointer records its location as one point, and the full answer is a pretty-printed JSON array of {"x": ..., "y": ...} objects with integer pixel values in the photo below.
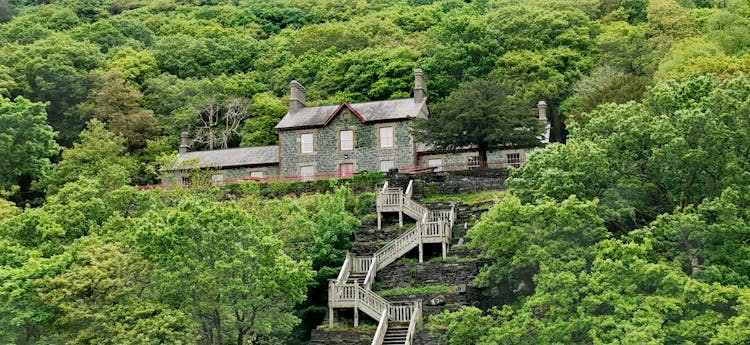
[
  {"x": 241, "y": 333},
  {"x": 483, "y": 157}
]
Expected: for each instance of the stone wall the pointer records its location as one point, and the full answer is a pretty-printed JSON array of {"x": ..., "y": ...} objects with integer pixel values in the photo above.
[
  {"x": 441, "y": 183},
  {"x": 327, "y": 156},
  {"x": 341, "y": 337},
  {"x": 459, "y": 160},
  {"x": 217, "y": 175}
]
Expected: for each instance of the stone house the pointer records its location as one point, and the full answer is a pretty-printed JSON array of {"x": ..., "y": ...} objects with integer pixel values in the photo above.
[{"x": 339, "y": 141}]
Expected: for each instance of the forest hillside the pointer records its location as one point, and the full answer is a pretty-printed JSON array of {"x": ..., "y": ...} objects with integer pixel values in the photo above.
[{"x": 635, "y": 231}]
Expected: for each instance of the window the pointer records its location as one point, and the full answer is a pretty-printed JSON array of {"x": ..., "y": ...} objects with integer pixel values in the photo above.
[
  {"x": 306, "y": 172},
  {"x": 257, "y": 174},
  {"x": 185, "y": 179},
  {"x": 386, "y": 136},
  {"x": 437, "y": 163},
  {"x": 514, "y": 159},
  {"x": 306, "y": 143},
  {"x": 387, "y": 165},
  {"x": 218, "y": 178},
  {"x": 347, "y": 140},
  {"x": 473, "y": 162},
  {"x": 346, "y": 169}
]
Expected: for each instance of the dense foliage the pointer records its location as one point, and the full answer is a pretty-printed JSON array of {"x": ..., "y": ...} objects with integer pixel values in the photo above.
[
  {"x": 633, "y": 232},
  {"x": 178, "y": 266}
]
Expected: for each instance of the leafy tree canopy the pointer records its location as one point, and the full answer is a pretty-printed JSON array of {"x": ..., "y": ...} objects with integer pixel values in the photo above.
[{"x": 483, "y": 114}]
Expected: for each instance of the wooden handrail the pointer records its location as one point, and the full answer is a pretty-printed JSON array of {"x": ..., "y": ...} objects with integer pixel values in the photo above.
[
  {"x": 379, "y": 336},
  {"x": 410, "y": 189},
  {"x": 345, "y": 268},
  {"x": 370, "y": 277},
  {"x": 415, "y": 316},
  {"x": 396, "y": 248}
]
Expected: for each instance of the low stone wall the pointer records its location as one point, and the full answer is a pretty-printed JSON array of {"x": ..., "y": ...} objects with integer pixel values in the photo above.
[
  {"x": 341, "y": 337},
  {"x": 455, "y": 182}
]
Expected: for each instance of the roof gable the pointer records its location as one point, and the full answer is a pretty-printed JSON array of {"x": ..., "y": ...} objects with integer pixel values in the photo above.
[
  {"x": 389, "y": 110},
  {"x": 338, "y": 110}
]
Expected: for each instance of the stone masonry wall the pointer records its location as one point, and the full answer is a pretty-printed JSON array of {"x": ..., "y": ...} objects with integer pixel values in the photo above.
[
  {"x": 341, "y": 337},
  {"x": 451, "y": 182},
  {"x": 327, "y": 156},
  {"x": 462, "y": 158}
]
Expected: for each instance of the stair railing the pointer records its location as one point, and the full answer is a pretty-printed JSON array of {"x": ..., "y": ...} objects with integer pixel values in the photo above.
[
  {"x": 361, "y": 264},
  {"x": 371, "y": 272},
  {"x": 409, "y": 189},
  {"x": 379, "y": 336},
  {"x": 396, "y": 248},
  {"x": 345, "y": 269},
  {"x": 415, "y": 316},
  {"x": 371, "y": 303}
]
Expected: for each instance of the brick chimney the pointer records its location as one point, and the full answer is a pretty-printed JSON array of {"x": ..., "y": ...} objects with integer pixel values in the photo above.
[
  {"x": 184, "y": 143},
  {"x": 420, "y": 86},
  {"x": 296, "y": 96}
]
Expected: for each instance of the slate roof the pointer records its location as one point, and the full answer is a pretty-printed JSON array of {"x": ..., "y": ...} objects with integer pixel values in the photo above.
[
  {"x": 236, "y": 157},
  {"x": 396, "y": 109}
]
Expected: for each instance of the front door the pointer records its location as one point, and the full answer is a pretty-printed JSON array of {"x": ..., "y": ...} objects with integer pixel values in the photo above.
[{"x": 346, "y": 169}]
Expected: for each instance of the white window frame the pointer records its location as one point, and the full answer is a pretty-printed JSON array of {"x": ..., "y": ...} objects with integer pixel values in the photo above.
[
  {"x": 391, "y": 138},
  {"x": 392, "y": 165},
  {"x": 304, "y": 145},
  {"x": 472, "y": 162},
  {"x": 257, "y": 174},
  {"x": 307, "y": 172},
  {"x": 437, "y": 163},
  {"x": 346, "y": 144},
  {"x": 513, "y": 159}
]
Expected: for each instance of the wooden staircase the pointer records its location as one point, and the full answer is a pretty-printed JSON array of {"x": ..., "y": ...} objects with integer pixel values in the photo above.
[
  {"x": 396, "y": 334},
  {"x": 352, "y": 287}
]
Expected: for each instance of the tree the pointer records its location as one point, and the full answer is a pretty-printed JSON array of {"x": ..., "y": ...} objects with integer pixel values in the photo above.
[
  {"x": 27, "y": 142},
  {"x": 119, "y": 104},
  {"x": 522, "y": 240},
  {"x": 100, "y": 156},
  {"x": 55, "y": 70},
  {"x": 481, "y": 114},
  {"x": 6, "y": 11},
  {"x": 220, "y": 121},
  {"x": 224, "y": 267},
  {"x": 104, "y": 297}
]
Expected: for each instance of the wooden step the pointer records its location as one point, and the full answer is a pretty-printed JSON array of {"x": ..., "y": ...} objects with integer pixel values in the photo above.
[{"x": 395, "y": 336}]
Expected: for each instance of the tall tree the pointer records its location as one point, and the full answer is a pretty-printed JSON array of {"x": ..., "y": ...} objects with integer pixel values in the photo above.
[
  {"x": 27, "y": 142},
  {"x": 119, "y": 104},
  {"x": 483, "y": 114},
  {"x": 220, "y": 121},
  {"x": 225, "y": 267},
  {"x": 100, "y": 156}
]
